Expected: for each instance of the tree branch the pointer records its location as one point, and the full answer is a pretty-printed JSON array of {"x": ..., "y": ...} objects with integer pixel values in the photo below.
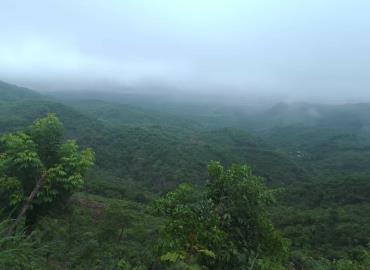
[{"x": 28, "y": 202}]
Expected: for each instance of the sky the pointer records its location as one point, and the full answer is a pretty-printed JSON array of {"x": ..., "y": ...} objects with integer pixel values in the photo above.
[{"x": 317, "y": 49}]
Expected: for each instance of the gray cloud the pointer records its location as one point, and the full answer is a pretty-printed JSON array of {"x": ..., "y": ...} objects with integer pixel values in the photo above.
[{"x": 297, "y": 49}]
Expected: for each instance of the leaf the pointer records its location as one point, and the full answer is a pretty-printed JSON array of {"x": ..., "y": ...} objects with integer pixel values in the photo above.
[
  {"x": 172, "y": 257},
  {"x": 207, "y": 253}
]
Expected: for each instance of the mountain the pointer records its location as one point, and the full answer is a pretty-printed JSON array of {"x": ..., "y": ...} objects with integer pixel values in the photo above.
[
  {"x": 122, "y": 114},
  {"x": 328, "y": 139},
  {"x": 9, "y": 92},
  {"x": 205, "y": 112},
  {"x": 340, "y": 117},
  {"x": 159, "y": 155},
  {"x": 316, "y": 156}
]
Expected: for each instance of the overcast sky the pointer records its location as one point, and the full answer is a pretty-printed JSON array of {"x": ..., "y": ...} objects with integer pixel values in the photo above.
[{"x": 303, "y": 49}]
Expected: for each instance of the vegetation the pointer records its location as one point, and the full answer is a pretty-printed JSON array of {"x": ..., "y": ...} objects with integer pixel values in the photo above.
[
  {"x": 38, "y": 171},
  {"x": 148, "y": 202},
  {"x": 223, "y": 226}
]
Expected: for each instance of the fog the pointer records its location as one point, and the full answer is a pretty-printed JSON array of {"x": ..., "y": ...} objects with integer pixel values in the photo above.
[{"x": 315, "y": 50}]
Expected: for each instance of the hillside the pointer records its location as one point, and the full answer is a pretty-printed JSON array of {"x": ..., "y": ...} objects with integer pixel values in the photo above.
[
  {"x": 316, "y": 156},
  {"x": 330, "y": 139},
  {"x": 9, "y": 92},
  {"x": 204, "y": 112},
  {"x": 122, "y": 114},
  {"x": 340, "y": 117},
  {"x": 175, "y": 151}
]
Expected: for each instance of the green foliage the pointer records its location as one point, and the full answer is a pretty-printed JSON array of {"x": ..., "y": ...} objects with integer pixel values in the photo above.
[
  {"x": 96, "y": 233},
  {"x": 174, "y": 150},
  {"x": 47, "y": 134},
  {"x": 191, "y": 232},
  {"x": 319, "y": 154},
  {"x": 11, "y": 193},
  {"x": 325, "y": 264},
  {"x": 327, "y": 220},
  {"x": 10, "y": 92},
  {"x": 172, "y": 257},
  {"x": 222, "y": 225},
  {"x": 28, "y": 157},
  {"x": 241, "y": 200},
  {"x": 18, "y": 252},
  {"x": 67, "y": 175}
]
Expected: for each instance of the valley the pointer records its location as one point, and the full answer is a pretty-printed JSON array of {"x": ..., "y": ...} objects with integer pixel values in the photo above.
[{"x": 314, "y": 157}]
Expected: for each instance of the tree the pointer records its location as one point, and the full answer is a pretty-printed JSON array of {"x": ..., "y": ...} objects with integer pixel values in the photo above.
[
  {"x": 222, "y": 226},
  {"x": 241, "y": 201},
  {"x": 39, "y": 171},
  {"x": 191, "y": 233}
]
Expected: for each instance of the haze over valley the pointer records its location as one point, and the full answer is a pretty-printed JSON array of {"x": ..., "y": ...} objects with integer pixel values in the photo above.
[{"x": 184, "y": 135}]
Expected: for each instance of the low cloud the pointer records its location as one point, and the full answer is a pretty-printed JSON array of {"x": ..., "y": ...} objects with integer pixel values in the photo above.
[{"x": 305, "y": 50}]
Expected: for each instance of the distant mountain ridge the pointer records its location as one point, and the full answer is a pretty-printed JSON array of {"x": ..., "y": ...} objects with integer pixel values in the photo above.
[
  {"x": 10, "y": 92},
  {"x": 161, "y": 155},
  {"x": 342, "y": 116}
]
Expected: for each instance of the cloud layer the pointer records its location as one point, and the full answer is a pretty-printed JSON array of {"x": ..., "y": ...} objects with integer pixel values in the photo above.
[{"x": 302, "y": 49}]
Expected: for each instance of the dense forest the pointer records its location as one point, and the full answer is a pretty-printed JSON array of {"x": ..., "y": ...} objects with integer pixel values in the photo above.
[{"x": 124, "y": 181}]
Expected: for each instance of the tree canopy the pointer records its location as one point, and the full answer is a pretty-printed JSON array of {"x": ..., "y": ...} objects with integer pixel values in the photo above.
[
  {"x": 224, "y": 225},
  {"x": 39, "y": 170}
]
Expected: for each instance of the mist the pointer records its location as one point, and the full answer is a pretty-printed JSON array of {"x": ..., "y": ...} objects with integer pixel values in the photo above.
[{"x": 288, "y": 50}]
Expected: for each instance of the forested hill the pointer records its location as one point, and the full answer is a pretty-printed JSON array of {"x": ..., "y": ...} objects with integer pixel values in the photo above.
[
  {"x": 9, "y": 92},
  {"x": 281, "y": 143},
  {"x": 158, "y": 155},
  {"x": 316, "y": 156},
  {"x": 330, "y": 139},
  {"x": 205, "y": 112},
  {"x": 327, "y": 140},
  {"x": 123, "y": 114},
  {"x": 341, "y": 117}
]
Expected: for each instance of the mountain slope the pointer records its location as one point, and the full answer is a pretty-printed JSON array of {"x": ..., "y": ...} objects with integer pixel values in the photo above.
[
  {"x": 158, "y": 156},
  {"x": 9, "y": 92},
  {"x": 329, "y": 139},
  {"x": 123, "y": 114}
]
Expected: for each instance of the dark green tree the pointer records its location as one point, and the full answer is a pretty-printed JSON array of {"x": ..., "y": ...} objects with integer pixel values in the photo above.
[
  {"x": 225, "y": 225},
  {"x": 241, "y": 202},
  {"x": 38, "y": 170}
]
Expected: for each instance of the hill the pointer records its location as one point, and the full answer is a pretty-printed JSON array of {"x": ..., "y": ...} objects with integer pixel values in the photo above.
[
  {"x": 159, "y": 156},
  {"x": 316, "y": 155},
  {"x": 329, "y": 139},
  {"x": 9, "y": 92}
]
